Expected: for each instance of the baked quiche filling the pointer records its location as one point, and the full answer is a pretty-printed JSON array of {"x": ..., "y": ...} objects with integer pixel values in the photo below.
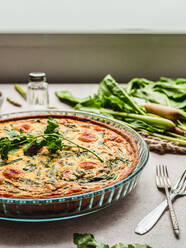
[{"x": 58, "y": 156}]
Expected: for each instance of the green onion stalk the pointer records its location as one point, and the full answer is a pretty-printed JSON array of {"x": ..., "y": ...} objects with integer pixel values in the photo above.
[
  {"x": 179, "y": 139},
  {"x": 154, "y": 121}
]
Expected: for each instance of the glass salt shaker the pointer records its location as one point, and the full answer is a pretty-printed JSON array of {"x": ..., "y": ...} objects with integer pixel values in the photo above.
[{"x": 37, "y": 91}]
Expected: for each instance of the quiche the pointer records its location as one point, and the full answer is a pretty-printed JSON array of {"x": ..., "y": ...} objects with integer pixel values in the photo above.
[{"x": 48, "y": 156}]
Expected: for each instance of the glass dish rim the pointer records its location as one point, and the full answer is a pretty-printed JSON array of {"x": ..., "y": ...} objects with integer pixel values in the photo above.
[{"x": 84, "y": 195}]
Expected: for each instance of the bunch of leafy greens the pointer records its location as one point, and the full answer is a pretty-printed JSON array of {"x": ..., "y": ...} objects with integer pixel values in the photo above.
[
  {"x": 114, "y": 101},
  {"x": 88, "y": 241},
  {"x": 166, "y": 91},
  {"x": 51, "y": 139},
  {"x": 110, "y": 95}
]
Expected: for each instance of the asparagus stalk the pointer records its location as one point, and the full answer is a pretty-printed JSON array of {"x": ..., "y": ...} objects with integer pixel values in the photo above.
[
  {"x": 20, "y": 91},
  {"x": 13, "y": 102}
]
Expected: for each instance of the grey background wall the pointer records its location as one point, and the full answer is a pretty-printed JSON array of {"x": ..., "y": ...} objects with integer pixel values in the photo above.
[
  {"x": 87, "y": 58},
  {"x": 82, "y": 40}
]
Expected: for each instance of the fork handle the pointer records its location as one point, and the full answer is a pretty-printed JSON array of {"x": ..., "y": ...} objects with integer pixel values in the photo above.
[
  {"x": 172, "y": 213},
  {"x": 151, "y": 219}
]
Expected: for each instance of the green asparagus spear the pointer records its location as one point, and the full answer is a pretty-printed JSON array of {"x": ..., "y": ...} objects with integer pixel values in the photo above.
[
  {"x": 13, "y": 102},
  {"x": 20, "y": 91}
]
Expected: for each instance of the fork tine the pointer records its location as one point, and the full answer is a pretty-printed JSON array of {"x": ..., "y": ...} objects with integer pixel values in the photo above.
[
  {"x": 183, "y": 190},
  {"x": 161, "y": 174},
  {"x": 180, "y": 185},
  {"x": 184, "y": 181},
  {"x": 183, "y": 184},
  {"x": 158, "y": 176},
  {"x": 167, "y": 176}
]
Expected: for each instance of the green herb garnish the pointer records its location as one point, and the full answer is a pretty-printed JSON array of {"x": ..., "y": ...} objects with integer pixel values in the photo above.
[{"x": 51, "y": 138}]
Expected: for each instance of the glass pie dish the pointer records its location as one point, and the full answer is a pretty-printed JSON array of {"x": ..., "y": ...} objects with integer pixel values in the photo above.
[{"x": 61, "y": 208}]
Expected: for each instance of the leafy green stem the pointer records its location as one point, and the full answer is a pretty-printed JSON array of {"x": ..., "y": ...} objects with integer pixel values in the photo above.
[
  {"x": 135, "y": 106},
  {"x": 157, "y": 121},
  {"x": 177, "y": 135},
  {"x": 181, "y": 125}
]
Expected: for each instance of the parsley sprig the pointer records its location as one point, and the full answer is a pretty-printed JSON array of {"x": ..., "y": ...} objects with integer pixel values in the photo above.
[{"x": 51, "y": 138}]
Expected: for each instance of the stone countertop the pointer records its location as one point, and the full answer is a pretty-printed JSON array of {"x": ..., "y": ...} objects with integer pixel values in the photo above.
[{"x": 113, "y": 224}]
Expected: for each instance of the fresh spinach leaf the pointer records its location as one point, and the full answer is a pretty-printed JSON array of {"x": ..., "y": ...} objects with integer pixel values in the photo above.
[
  {"x": 120, "y": 245},
  {"x": 166, "y": 91},
  {"x": 88, "y": 241},
  {"x": 67, "y": 97}
]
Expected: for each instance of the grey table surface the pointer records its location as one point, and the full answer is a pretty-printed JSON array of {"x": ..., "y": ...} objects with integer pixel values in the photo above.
[{"x": 113, "y": 224}]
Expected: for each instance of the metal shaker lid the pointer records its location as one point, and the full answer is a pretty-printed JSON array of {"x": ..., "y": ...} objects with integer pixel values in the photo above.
[{"x": 37, "y": 76}]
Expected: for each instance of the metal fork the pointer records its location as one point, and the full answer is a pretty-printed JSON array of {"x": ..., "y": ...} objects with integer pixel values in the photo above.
[
  {"x": 163, "y": 182},
  {"x": 151, "y": 218}
]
